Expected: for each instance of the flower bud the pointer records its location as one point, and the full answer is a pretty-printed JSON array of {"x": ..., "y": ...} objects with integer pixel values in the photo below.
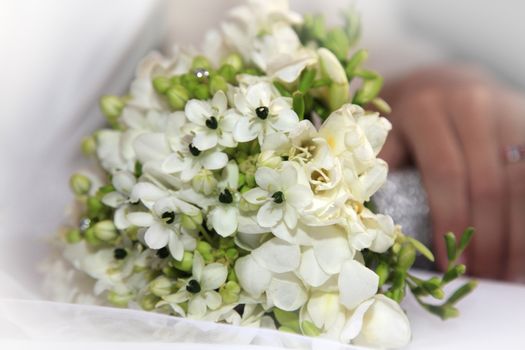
[
  {"x": 234, "y": 60},
  {"x": 119, "y": 300},
  {"x": 160, "y": 286},
  {"x": 201, "y": 92},
  {"x": 191, "y": 222},
  {"x": 228, "y": 73},
  {"x": 177, "y": 97},
  {"x": 73, "y": 236},
  {"x": 186, "y": 263},
  {"x": 206, "y": 250},
  {"x": 204, "y": 182},
  {"x": 88, "y": 146},
  {"x": 161, "y": 84},
  {"x": 105, "y": 230},
  {"x": 382, "y": 272},
  {"x": 149, "y": 302},
  {"x": 200, "y": 62},
  {"x": 232, "y": 276},
  {"x": 218, "y": 83},
  {"x": 230, "y": 292},
  {"x": 94, "y": 206},
  {"x": 310, "y": 329},
  {"x": 406, "y": 256},
  {"x": 111, "y": 107},
  {"x": 90, "y": 237},
  {"x": 232, "y": 254},
  {"x": 80, "y": 184}
]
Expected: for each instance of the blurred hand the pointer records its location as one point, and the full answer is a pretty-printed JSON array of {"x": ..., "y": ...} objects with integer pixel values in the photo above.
[{"x": 452, "y": 122}]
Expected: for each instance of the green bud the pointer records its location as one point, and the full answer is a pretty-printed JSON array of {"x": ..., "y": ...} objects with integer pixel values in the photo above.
[
  {"x": 201, "y": 92},
  {"x": 339, "y": 94},
  {"x": 111, "y": 107},
  {"x": 307, "y": 79},
  {"x": 119, "y": 300},
  {"x": 454, "y": 272},
  {"x": 80, "y": 184},
  {"x": 175, "y": 80},
  {"x": 368, "y": 91},
  {"x": 177, "y": 97},
  {"x": 241, "y": 181},
  {"x": 200, "y": 62},
  {"x": 310, "y": 329},
  {"x": 161, "y": 286},
  {"x": 230, "y": 292},
  {"x": 149, "y": 302},
  {"x": 465, "y": 239},
  {"x": 218, "y": 83},
  {"x": 462, "y": 291},
  {"x": 232, "y": 254},
  {"x": 287, "y": 330},
  {"x": 186, "y": 263},
  {"x": 105, "y": 230},
  {"x": 250, "y": 180},
  {"x": 406, "y": 256},
  {"x": 232, "y": 276},
  {"x": 161, "y": 84},
  {"x": 234, "y": 60},
  {"x": 73, "y": 236},
  {"x": 382, "y": 272},
  {"x": 88, "y": 146},
  {"x": 90, "y": 237},
  {"x": 355, "y": 61},
  {"x": 191, "y": 222},
  {"x": 204, "y": 247},
  {"x": 228, "y": 73},
  {"x": 381, "y": 105},
  {"x": 283, "y": 91},
  {"x": 170, "y": 272},
  {"x": 450, "y": 242},
  {"x": 420, "y": 247}
]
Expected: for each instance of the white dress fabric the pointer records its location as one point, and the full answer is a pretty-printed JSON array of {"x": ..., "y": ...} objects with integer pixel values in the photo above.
[{"x": 58, "y": 57}]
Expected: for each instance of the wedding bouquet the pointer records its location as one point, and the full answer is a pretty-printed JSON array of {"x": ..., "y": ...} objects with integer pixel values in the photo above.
[{"x": 236, "y": 185}]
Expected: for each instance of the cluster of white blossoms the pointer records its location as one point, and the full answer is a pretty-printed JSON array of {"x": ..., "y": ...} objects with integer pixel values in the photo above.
[{"x": 227, "y": 202}]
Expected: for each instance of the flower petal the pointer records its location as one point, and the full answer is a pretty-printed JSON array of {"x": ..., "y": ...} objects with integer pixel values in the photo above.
[
  {"x": 205, "y": 140},
  {"x": 198, "y": 111},
  {"x": 287, "y": 292},
  {"x": 253, "y": 278},
  {"x": 157, "y": 236},
  {"x": 270, "y": 214},
  {"x": 123, "y": 181},
  {"x": 214, "y": 160},
  {"x": 278, "y": 256},
  {"x": 213, "y": 299},
  {"x": 356, "y": 284},
  {"x": 268, "y": 179},
  {"x": 140, "y": 219},
  {"x": 197, "y": 307},
  {"x": 246, "y": 130},
  {"x": 285, "y": 121},
  {"x": 219, "y": 101},
  {"x": 256, "y": 196},
  {"x": 224, "y": 220},
  {"x": 310, "y": 271},
  {"x": 213, "y": 276},
  {"x": 175, "y": 246}
]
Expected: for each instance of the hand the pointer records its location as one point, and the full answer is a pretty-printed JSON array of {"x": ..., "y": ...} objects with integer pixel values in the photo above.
[{"x": 453, "y": 123}]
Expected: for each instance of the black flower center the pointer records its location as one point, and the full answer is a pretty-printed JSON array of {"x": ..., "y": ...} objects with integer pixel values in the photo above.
[
  {"x": 225, "y": 197},
  {"x": 278, "y": 197},
  {"x": 168, "y": 217},
  {"x": 193, "y": 287},
  {"x": 262, "y": 112},
  {"x": 194, "y": 150},
  {"x": 212, "y": 123},
  {"x": 163, "y": 253},
  {"x": 120, "y": 253}
]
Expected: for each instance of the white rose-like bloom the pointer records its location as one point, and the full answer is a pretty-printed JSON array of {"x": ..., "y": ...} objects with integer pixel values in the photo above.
[
  {"x": 378, "y": 322},
  {"x": 281, "y": 195},
  {"x": 264, "y": 112},
  {"x": 215, "y": 123},
  {"x": 199, "y": 291},
  {"x": 281, "y": 55}
]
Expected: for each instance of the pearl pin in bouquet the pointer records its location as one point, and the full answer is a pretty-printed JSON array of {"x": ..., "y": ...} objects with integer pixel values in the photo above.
[{"x": 235, "y": 186}]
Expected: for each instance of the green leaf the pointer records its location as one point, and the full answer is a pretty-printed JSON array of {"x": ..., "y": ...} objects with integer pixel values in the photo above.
[
  {"x": 282, "y": 89},
  {"x": 450, "y": 242},
  {"x": 310, "y": 329},
  {"x": 465, "y": 239},
  {"x": 298, "y": 104}
]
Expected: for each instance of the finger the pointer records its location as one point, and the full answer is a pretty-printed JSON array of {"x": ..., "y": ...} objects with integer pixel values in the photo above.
[
  {"x": 438, "y": 154},
  {"x": 472, "y": 115},
  {"x": 512, "y": 132}
]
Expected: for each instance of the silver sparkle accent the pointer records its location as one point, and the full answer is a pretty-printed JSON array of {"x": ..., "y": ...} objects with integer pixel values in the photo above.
[
  {"x": 404, "y": 199},
  {"x": 84, "y": 224},
  {"x": 201, "y": 73}
]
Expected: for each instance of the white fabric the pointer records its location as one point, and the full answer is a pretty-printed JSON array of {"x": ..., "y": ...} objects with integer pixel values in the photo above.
[{"x": 58, "y": 56}]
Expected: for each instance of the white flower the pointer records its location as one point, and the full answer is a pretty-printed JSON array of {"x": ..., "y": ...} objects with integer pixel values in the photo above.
[
  {"x": 280, "y": 54},
  {"x": 214, "y": 122},
  {"x": 356, "y": 284},
  {"x": 163, "y": 223},
  {"x": 378, "y": 322},
  {"x": 281, "y": 195},
  {"x": 264, "y": 112},
  {"x": 123, "y": 182},
  {"x": 110, "y": 145},
  {"x": 199, "y": 290},
  {"x": 190, "y": 160},
  {"x": 224, "y": 215}
]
